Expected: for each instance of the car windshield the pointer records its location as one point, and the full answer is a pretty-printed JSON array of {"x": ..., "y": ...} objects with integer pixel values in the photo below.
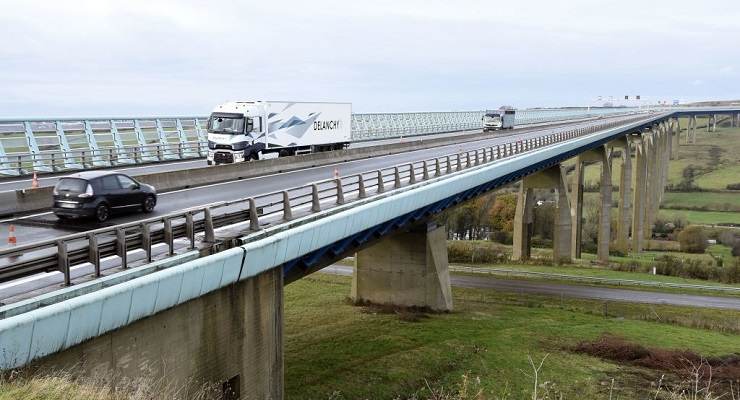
[
  {"x": 226, "y": 125},
  {"x": 72, "y": 185},
  {"x": 492, "y": 115}
]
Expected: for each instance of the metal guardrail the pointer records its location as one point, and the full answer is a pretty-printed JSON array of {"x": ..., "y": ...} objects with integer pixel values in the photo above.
[
  {"x": 65, "y": 144},
  {"x": 89, "y": 247},
  {"x": 591, "y": 279}
]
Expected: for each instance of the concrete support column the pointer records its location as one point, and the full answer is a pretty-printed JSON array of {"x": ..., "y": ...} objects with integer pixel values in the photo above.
[
  {"x": 625, "y": 198},
  {"x": 598, "y": 155},
  {"x": 650, "y": 174},
  {"x": 675, "y": 135},
  {"x": 523, "y": 219},
  {"x": 231, "y": 337},
  {"x": 408, "y": 269},
  {"x": 693, "y": 129},
  {"x": 576, "y": 194},
  {"x": 638, "y": 209},
  {"x": 605, "y": 216},
  {"x": 552, "y": 178},
  {"x": 714, "y": 123}
]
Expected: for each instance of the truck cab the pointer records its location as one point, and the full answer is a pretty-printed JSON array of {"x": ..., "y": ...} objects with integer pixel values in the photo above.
[
  {"x": 491, "y": 120},
  {"x": 252, "y": 130}
]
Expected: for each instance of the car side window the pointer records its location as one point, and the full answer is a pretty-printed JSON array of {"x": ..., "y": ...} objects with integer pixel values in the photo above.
[
  {"x": 125, "y": 181},
  {"x": 110, "y": 183}
]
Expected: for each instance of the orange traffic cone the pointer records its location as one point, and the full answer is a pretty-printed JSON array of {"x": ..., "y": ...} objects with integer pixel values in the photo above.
[
  {"x": 12, "y": 241},
  {"x": 34, "y": 182}
]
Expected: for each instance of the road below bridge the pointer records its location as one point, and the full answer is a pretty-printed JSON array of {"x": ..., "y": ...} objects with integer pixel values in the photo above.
[{"x": 578, "y": 291}]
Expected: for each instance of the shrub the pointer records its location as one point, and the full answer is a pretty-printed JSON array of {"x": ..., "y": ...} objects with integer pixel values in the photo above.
[
  {"x": 731, "y": 274},
  {"x": 736, "y": 249},
  {"x": 693, "y": 240},
  {"x": 502, "y": 237}
]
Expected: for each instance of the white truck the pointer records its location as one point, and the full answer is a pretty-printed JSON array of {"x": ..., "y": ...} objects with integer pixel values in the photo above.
[
  {"x": 503, "y": 118},
  {"x": 251, "y": 130}
]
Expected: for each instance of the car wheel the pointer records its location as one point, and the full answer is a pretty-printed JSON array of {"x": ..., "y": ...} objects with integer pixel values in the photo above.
[
  {"x": 63, "y": 217},
  {"x": 102, "y": 213},
  {"x": 210, "y": 162},
  {"x": 149, "y": 204}
]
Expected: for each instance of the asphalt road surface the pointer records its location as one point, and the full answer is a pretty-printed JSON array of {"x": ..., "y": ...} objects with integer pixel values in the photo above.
[{"x": 578, "y": 291}]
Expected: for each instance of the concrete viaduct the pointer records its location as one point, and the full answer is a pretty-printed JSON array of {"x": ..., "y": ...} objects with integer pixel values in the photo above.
[{"x": 219, "y": 318}]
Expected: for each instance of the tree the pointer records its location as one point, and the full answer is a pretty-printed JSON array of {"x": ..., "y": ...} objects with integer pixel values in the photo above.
[
  {"x": 501, "y": 214},
  {"x": 693, "y": 239}
]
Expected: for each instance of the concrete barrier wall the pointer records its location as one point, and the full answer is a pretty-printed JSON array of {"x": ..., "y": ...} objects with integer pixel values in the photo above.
[{"x": 174, "y": 180}]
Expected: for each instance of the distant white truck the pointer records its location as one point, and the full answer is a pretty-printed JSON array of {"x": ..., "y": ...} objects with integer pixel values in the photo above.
[
  {"x": 251, "y": 130},
  {"x": 502, "y": 118}
]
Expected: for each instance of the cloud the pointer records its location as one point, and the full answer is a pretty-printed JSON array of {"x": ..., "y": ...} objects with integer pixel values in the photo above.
[{"x": 179, "y": 57}]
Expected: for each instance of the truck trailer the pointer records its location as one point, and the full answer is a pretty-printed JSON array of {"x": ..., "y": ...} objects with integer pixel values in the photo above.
[{"x": 252, "y": 130}]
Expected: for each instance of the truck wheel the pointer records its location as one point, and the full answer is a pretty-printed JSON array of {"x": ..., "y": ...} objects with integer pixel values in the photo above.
[
  {"x": 253, "y": 157},
  {"x": 210, "y": 162}
]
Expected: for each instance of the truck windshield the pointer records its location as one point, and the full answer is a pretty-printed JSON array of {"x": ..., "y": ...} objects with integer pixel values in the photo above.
[{"x": 226, "y": 125}]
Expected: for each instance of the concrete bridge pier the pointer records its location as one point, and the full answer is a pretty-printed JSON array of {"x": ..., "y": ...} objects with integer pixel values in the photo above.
[
  {"x": 640, "y": 193},
  {"x": 625, "y": 196},
  {"x": 598, "y": 155},
  {"x": 675, "y": 134},
  {"x": 407, "y": 269},
  {"x": 231, "y": 337},
  {"x": 552, "y": 178}
]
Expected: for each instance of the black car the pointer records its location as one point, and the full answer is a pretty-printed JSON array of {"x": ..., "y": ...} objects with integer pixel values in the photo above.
[{"x": 98, "y": 194}]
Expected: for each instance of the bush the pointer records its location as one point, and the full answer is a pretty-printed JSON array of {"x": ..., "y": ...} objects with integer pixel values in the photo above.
[
  {"x": 475, "y": 252},
  {"x": 502, "y": 237},
  {"x": 736, "y": 249},
  {"x": 693, "y": 240},
  {"x": 731, "y": 274},
  {"x": 694, "y": 269}
]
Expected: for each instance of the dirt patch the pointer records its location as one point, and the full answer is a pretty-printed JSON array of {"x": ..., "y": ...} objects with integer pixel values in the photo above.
[
  {"x": 408, "y": 314},
  {"x": 684, "y": 363}
]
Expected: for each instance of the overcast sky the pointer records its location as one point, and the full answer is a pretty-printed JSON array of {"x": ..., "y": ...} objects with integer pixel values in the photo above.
[{"x": 156, "y": 57}]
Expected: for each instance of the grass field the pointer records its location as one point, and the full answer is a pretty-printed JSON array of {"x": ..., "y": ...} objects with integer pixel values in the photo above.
[
  {"x": 718, "y": 157},
  {"x": 702, "y": 217},
  {"x": 337, "y": 351},
  {"x": 601, "y": 272},
  {"x": 702, "y": 200}
]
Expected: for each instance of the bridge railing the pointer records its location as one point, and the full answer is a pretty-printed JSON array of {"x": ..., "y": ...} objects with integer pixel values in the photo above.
[
  {"x": 68, "y": 144},
  {"x": 138, "y": 241}
]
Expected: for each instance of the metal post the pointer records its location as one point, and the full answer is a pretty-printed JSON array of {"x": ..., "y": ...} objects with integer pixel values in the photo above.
[
  {"x": 361, "y": 187},
  {"x": 437, "y": 169},
  {"x": 425, "y": 173},
  {"x": 190, "y": 229},
  {"x": 449, "y": 165},
  {"x": 412, "y": 174},
  {"x": 146, "y": 241},
  {"x": 397, "y": 176},
  {"x": 287, "y": 212},
  {"x": 459, "y": 162},
  {"x": 210, "y": 235},
  {"x": 169, "y": 238},
  {"x": 121, "y": 250},
  {"x": 63, "y": 261},
  {"x": 381, "y": 184},
  {"x": 93, "y": 252},
  {"x": 254, "y": 221},
  {"x": 316, "y": 204},
  {"x": 340, "y": 192}
]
